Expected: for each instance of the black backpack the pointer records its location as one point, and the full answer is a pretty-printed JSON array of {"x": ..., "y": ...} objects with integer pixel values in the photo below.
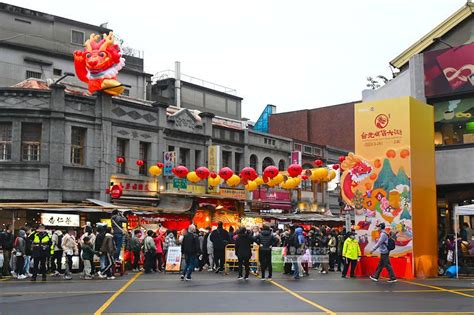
[{"x": 390, "y": 243}]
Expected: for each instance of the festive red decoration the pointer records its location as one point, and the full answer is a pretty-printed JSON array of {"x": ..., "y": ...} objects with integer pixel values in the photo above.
[
  {"x": 342, "y": 158},
  {"x": 248, "y": 173},
  {"x": 202, "y": 172},
  {"x": 304, "y": 177},
  {"x": 116, "y": 191},
  {"x": 270, "y": 171},
  {"x": 226, "y": 173},
  {"x": 140, "y": 162},
  {"x": 294, "y": 170},
  {"x": 318, "y": 163},
  {"x": 173, "y": 170},
  {"x": 181, "y": 171},
  {"x": 265, "y": 179},
  {"x": 336, "y": 166},
  {"x": 213, "y": 175},
  {"x": 160, "y": 165},
  {"x": 120, "y": 160}
]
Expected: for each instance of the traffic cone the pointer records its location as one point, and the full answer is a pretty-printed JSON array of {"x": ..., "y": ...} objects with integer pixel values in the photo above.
[{"x": 408, "y": 269}]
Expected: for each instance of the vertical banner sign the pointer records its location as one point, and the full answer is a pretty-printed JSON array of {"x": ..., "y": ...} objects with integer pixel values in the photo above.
[
  {"x": 391, "y": 179},
  {"x": 173, "y": 259},
  {"x": 295, "y": 157},
  {"x": 169, "y": 159},
  {"x": 213, "y": 163}
]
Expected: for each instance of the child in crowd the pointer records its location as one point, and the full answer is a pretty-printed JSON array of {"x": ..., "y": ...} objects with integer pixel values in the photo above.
[{"x": 87, "y": 256}]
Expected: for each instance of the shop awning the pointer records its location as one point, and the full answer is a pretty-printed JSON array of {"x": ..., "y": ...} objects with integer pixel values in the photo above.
[{"x": 298, "y": 217}]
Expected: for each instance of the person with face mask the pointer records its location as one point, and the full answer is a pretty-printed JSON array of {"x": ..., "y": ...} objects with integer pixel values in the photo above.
[{"x": 351, "y": 254}]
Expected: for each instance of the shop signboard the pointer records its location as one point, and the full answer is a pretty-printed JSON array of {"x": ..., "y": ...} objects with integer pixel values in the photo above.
[
  {"x": 122, "y": 185},
  {"x": 391, "y": 179},
  {"x": 173, "y": 259},
  {"x": 180, "y": 183},
  {"x": 214, "y": 164},
  {"x": 277, "y": 259},
  {"x": 233, "y": 193},
  {"x": 57, "y": 219},
  {"x": 169, "y": 159},
  {"x": 449, "y": 71}
]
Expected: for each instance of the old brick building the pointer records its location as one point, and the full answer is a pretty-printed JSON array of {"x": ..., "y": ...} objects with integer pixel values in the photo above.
[{"x": 331, "y": 125}]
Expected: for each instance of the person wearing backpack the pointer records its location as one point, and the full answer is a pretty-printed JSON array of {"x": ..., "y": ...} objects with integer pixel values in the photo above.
[
  {"x": 266, "y": 240},
  {"x": 385, "y": 244},
  {"x": 57, "y": 240}
]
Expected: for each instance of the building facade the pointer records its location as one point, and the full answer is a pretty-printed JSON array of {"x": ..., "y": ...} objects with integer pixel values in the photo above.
[{"x": 39, "y": 45}]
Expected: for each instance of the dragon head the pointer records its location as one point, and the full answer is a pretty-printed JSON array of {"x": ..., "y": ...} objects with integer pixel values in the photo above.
[
  {"x": 358, "y": 168},
  {"x": 101, "y": 54}
]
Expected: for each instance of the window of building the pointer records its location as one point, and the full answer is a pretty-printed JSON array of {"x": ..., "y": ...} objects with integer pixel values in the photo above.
[
  {"x": 30, "y": 141},
  {"x": 171, "y": 148},
  {"x": 454, "y": 122},
  {"x": 317, "y": 151},
  {"x": 57, "y": 72},
  {"x": 253, "y": 161},
  {"x": 78, "y": 141},
  {"x": 197, "y": 158},
  {"x": 184, "y": 157},
  {"x": 143, "y": 155},
  {"x": 122, "y": 145},
  {"x": 281, "y": 165},
  {"x": 5, "y": 141},
  {"x": 238, "y": 161},
  {"x": 267, "y": 162},
  {"x": 226, "y": 157},
  {"x": 33, "y": 74},
  {"x": 308, "y": 149},
  {"x": 77, "y": 37},
  {"x": 297, "y": 147}
]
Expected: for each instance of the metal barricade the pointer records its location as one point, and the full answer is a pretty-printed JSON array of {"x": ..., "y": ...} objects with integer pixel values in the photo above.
[{"x": 231, "y": 261}]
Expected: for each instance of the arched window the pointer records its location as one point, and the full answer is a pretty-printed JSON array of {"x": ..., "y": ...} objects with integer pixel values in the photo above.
[
  {"x": 267, "y": 162},
  {"x": 253, "y": 161},
  {"x": 281, "y": 165}
]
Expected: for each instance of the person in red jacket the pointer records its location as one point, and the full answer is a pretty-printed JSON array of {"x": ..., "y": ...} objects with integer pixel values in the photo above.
[{"x": 159, "y": 252}]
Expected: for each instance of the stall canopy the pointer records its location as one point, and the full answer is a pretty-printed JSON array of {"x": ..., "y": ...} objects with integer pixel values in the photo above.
[{"x": 460, "y": 210}]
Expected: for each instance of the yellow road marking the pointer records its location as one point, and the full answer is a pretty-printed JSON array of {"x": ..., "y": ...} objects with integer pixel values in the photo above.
[
  {"x": 296, "y": 295},
  {"x": 439, "y": 288},
  {"x": 116, "y": 294}
]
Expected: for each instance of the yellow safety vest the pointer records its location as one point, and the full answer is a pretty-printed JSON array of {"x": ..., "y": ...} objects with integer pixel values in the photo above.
[{"x": 39, "y": 241}]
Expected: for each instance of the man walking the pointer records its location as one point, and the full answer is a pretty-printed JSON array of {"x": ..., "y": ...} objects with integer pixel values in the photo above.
[
  {"x": 190, "y": 249},
  {"x": 117, "y": 220},
  {"x": 384, "y": 262},
  {"x": 266, "y": 240},
  {"x": 219, "y": 238}
]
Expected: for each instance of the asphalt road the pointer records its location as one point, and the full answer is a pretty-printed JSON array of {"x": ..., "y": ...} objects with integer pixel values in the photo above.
[{"x": 211, "y": 293}]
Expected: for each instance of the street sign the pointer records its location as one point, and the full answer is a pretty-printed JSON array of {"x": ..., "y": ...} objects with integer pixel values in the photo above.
[{"x": 180, "y": 183}]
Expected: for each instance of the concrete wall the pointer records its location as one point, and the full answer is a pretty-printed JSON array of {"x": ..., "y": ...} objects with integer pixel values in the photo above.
[{"x": 454, "y": 166}]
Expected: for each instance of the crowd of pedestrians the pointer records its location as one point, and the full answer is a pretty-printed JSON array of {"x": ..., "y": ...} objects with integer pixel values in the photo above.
[{"x": 319, "y": 248}]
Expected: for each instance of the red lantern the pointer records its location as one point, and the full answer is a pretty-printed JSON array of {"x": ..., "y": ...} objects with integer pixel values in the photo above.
[
  {"x": 226, "y": 173},
  {"x": 304, "y": 177},
  {"x": 270, "y": 171},
  {"x": 318, "y": 163},
  {"x": 173, "y": 170},
  {"x": 213, "y": 175},
  {"x": 116, "y": 191},
  {"x": 120, "y": 160},
  {"x": 140, "y": 162},
  {"x": 202, "y": 172},
  {"x": 335, "y": 167},
  {"x": 265, "y": 179},
  {"x": 294, "y": 170},
  {"x": 248, "y": 173},
  {"x": 181, "y": 171},
  {"x": 342, "y": 158},
  {"x": 160, "y": 165}
]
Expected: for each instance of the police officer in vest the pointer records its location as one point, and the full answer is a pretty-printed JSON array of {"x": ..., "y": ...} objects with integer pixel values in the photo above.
[{"x": 41, "y": 248}]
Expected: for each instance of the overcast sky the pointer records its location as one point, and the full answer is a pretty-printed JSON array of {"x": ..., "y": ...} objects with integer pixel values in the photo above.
[{"x": 293, "y": 54}]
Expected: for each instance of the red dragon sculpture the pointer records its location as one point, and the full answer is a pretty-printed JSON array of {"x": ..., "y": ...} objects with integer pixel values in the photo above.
[
  {"x": 99, "y": 63},
  {"x": 357, "y": 171}
]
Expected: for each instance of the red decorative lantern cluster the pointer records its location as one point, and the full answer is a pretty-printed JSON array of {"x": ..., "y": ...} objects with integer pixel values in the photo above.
[
  {"x": 202, "y": 172},
  {"x": 225, "y": 173},
  {"x": 270, "y": 171},
  {"x": 295, "y": 170},
  {"x": 180, "y": 171},
  {"x": 140, "y": 162},
  {"x": 248, "y": 173},
  {"x": 120, "y": 160}
]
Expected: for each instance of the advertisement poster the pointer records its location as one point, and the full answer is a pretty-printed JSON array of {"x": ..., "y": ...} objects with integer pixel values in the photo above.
[
  {"x": 277, "y": 259},
  {"x": 454, "y": 121},
  {"x": 169, "y": 159},
  {"x": 449, "y": 71},
  {"x": 173, "y": 259},
  {"x": 378, "y": 184}
]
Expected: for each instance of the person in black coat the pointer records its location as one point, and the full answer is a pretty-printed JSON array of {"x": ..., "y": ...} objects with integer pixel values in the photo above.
[
  {"x": 243, "y": 250},
  {"x": 191, "y": 249},
  {"x": 266, "y": 240},
  {"x": 219, "y": 238}
]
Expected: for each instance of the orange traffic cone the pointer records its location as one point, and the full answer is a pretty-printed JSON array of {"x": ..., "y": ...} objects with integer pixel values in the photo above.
[{"x": 408, "y": 269}]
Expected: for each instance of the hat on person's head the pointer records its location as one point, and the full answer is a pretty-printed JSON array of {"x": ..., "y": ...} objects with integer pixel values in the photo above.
[{"x": 381, "y": 225}]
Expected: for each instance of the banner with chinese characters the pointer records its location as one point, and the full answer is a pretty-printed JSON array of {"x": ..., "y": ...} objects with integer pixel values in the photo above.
[
  {"x": 214, "y": 164},
  {"x": 391, "y": 177},
  {"x": 57, "y": 219}
]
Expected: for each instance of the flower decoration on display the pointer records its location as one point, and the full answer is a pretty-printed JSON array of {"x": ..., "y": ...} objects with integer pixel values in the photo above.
[{"x": 99, "y": 64}]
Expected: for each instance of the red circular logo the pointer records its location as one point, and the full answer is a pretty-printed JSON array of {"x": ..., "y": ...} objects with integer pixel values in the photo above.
[
  {"x": 381, "y": 121},
  {"x": 116, "y": 191}
]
